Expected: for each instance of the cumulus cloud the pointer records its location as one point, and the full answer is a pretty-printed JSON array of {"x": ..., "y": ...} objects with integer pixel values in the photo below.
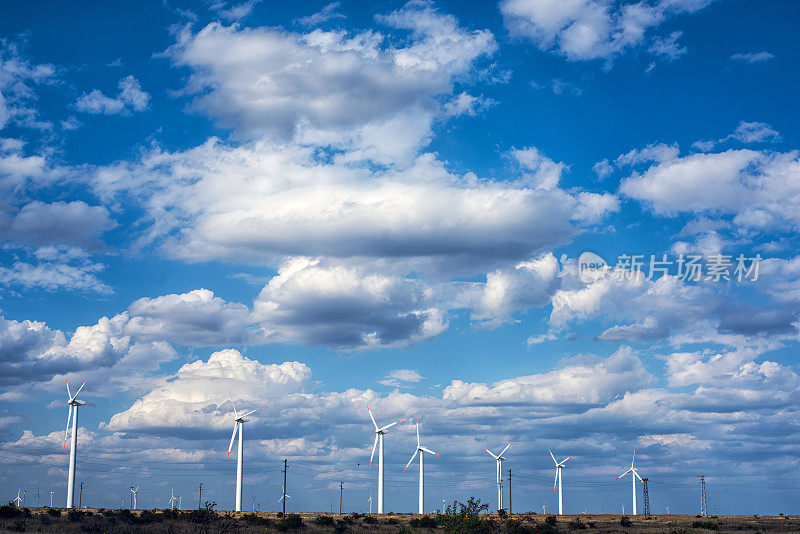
[
  {"x": 18, "y": 81},
  {"x": 595, "y": 29},
  {"x": 760, "y": 190},
  {"x": 329, "y": 85},
  {"x": 38, "y": 223},
  {"x": 80, "y": 276},
  {"x": 205, "y": 204},
  {"x": 130, "y": 99},
  {"x": 200, "y": 393}
]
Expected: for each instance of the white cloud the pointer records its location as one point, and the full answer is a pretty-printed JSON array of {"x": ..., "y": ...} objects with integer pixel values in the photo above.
[
  {"x": 397, "y": 377},
  {"x": 540, "y": 171},
  {"x": 18, "y": 80},
  {"x": 345, "y": 307},
  {"x": 754, "y": 132},
  {"x": 327, "y": 84},
  {"x": 323, "y": 15},
  {"x": 130, "y": 99},
  {"x": 668, "y": 46},
  {"x": 466, "y": 104},
  {"x": 760, "y": 190},
  {"x": 752, "y": 57},
  {"x": 594, "y": 29},
  {"x": 261, "y": 202},
  {"x": 39, "y": 223},
  {"x": 197, "y": 394},
  {"x": 55, "y": 276}
]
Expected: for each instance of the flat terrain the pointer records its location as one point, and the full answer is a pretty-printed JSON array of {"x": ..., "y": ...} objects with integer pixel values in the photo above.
[{"x": 151, "y": 521}]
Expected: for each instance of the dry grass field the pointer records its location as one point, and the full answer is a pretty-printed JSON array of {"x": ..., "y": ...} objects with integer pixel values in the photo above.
[{"x": 152, "y": 521}]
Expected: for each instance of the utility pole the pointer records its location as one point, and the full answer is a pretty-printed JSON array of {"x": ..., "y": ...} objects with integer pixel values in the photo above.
[
  {"x": 200, "y": 499},
  {"x": 703, "y": 503},
  {"x": 341, "y": 488},
  {"x": 285, "y": 466},
  {"x": 645, "y": 497},
  {"x": 80, "y": 496},
  {"x": 509, "y": 492}
]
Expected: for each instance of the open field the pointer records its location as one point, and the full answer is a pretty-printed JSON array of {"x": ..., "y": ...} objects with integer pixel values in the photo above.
[{"x": 152, "y": 521}]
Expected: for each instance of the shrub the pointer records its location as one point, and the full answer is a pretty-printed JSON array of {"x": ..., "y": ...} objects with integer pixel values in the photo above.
[
  {"x": 577, "y": 524},
  {"x": 625, "y": 521},
  {"x": 369, "y": 520},
  {"x": 424, "y": 521},
  {"x": 324, "y": 521},
  {"x": 290, "y": 522},
  {"x": 9, "y": 511},
  {"x": 501, "y": 513},
  {"x": 708, "y": 525},
  {"x": 463, "y": 518},
  {"x": 254, "y": 519},
  {"x": 54, "y": 512},
  {"x": 551, "y": 520}
]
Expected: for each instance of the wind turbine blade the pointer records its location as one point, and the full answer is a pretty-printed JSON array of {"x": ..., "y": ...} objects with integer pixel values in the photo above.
[
  {"x": 490, "y": 452},
  {"x": 411, "y": 460},
  {"x": 553, "y": 457},
  {"x": 555, "y": 481},
  {"x": 375, "y": 444},
  {"x": 637, "y": 475},
  {"x": 429, "y": 451},
  {"x": 390, "y": 425},
  {"x": 634, "y": 457},
  {"x": 625, "y": 473},
  {"x": 565, "y": 459},
  {"x": 68, "y": 393},
  {"x": 504, "y": 450},
  {"x": 66, "y": 433},
  {"x": 233, "y": 436},
  {"x": 373, "y": 419},
  {"x": 79, "y": 389},
  {"x": 251, "y": 411},
  {"x": 417, "y": 431}
]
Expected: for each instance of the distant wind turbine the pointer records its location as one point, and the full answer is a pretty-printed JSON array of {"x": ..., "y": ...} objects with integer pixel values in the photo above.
[
  {"x": 51, "y": 498},
  {"x": 499, "y": 459},
  {"x": 18, "y": 500},
  {"x": 420, "y": 450},
  {"x": 379, "y": 432},
  {"x": 370, "y": 502},
  {"x": 283, "y": 492},
  {"x": 238, "y": 425},
  {"x": 559, "y": 467},
  {"x": 134, "y": 492},
  {"x": 172, "y": 500},
  {"x": 73, "y": 404},
  {"x": 634, "y": 475}
]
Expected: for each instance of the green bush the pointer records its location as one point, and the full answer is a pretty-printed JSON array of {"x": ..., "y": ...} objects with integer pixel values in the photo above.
[
  {"x": 424, "y": 521},
  {"x": 9, "y": 511},
  {"x": 290, "y": 522},
  {"x": 551, "y": 520},
  {"x": 370, "y": 520},
  {"x": 708, "y": 525},
  {"x": 625, "y": 521},
  {"x": 54, "y": 512},
  {"x": 463, "y": 518},
  {"x": 577, "y": 524},
  {"x": 254, "y": 519}
]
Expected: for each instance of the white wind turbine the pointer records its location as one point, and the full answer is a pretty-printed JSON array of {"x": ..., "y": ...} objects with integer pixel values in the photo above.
[
  {"x": 634, "y": 475},
  {"x": 73, "y": 404},
  {"x": 499, "y": 459},
  {"x": 134, "y": 492},
  {"x": 559, "y": 467},
  {"x": 370, "y": 502},
  {"x": 420, "y": 450},
  {"x": 283, "y": 492},
  {"x": 238, "y": 425},
  {"x": 172, "y": 500},
  {"x": 379, "y": 432},
  {"x": 18, "y": 500}
]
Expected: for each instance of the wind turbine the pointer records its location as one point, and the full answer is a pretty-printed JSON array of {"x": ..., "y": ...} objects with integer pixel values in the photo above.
[
  {"x": 283, "y": 492},
  {"x": 73, "y": 404},
  {"x": 172, "y": 500},
  {"x": 370, "y": 502},
  {"x": 420, "y": 450},
  {"x": 499, "y": 458},
  {"x": 238, "y": 424},
  {"x": 559, "y": 467},
  {"x": 18, "y": 500},
  {"x": 634, "y": 475},
  {"x": 51, "y": 498},
  {"x": 379, "y": 432},
  {"x": 134, "y": 491}
]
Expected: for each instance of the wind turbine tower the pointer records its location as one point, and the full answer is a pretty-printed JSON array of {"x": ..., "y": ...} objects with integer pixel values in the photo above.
[
  {"x": 134, "y": 492},
  {"x": 499, "y": 459},
  {"x": 557, "y": 481},
  {"x": 73, "y": 404},
  {"x": 238, "y": 425},
  {"x": 379, "y": 432},
  {"x": 420, "y": 450},
  {"x": 634, "y": 475},
  {"x": 18, "y": 500}
]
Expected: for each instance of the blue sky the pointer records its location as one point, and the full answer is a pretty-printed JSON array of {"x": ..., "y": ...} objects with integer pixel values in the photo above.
[{"x": 321, "y": 206}]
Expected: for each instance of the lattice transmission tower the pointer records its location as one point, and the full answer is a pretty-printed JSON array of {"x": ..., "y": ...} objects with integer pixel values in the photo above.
[{"x": 645, "y": 498}]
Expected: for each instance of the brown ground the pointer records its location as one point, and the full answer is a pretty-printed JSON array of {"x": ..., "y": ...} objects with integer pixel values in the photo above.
[{"x": 150, "y": 521}]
